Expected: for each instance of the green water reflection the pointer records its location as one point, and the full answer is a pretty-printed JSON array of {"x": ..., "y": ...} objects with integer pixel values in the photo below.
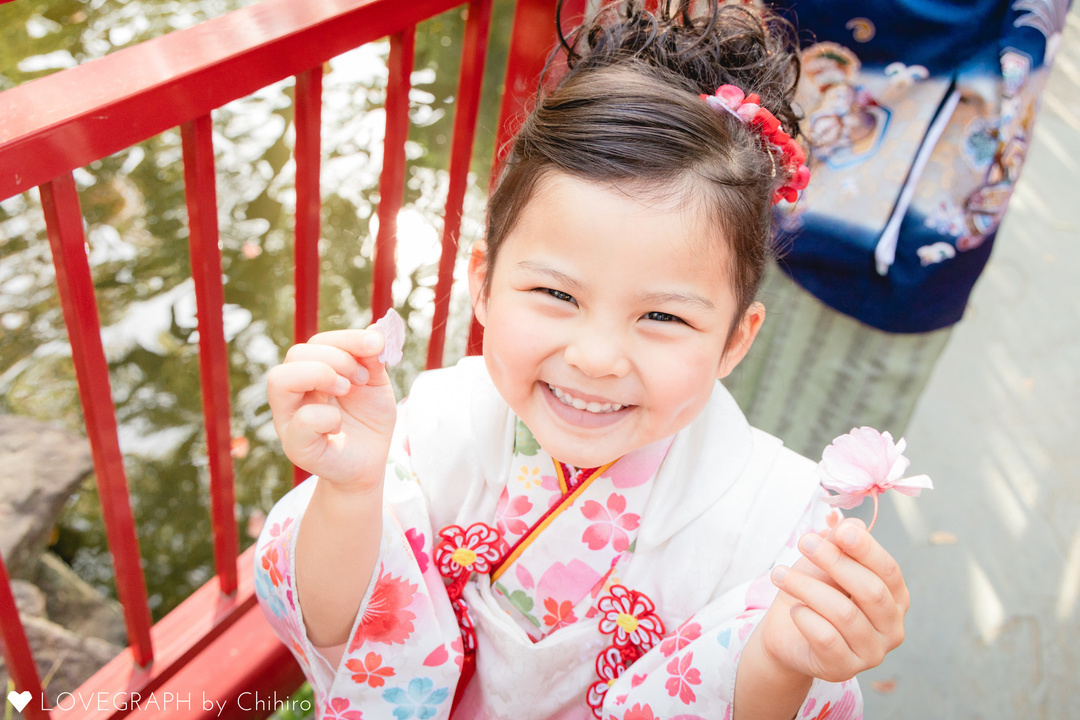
[{"x": 136, "y": 227}]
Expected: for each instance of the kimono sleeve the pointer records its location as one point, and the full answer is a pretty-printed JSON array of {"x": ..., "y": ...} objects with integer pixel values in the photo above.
[
  {"x": 690, "y": 674},
  {"x": 404, "y": 655}
]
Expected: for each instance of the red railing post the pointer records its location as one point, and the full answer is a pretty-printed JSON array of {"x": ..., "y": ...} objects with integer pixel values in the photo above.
[
  {"x": 17, "y": 655},
  {"x": 201, "y": 196},
  {"x": 64, "y": 224},
  {"x": 308, "y": 119},
  {"x": 392, "y": 177},
  {"x": 307, "y": 116},
  {"x": 466, "y": 109}
]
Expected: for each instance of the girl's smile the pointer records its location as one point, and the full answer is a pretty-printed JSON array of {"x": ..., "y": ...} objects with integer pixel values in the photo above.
[
  {"x": 583, "y": 410},
  {"x": 606, "y": 318}
]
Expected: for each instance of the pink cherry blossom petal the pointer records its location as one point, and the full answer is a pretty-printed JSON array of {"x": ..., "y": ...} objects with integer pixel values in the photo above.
[
  {"x": 392, "y": 328},
  {"x": 912, "y": 486},
  {"x": 845, "y": 502}
]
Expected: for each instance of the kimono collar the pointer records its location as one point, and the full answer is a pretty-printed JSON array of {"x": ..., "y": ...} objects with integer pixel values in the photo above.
[{"x": 705, "y": 460}]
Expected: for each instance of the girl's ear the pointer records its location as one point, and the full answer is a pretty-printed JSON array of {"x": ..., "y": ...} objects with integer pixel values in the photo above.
[
  {"x": 742, "y": 338},
  {"x": 478, "y": 268}
]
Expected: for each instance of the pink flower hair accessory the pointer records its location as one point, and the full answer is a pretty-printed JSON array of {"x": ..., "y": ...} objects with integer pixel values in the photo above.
[
  {"x": 867, "y": 462},
  {"x": 748, "y": 109}
]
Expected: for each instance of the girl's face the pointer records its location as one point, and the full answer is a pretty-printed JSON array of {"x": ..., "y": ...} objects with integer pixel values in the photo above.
[{"x": 606, "y": 319}]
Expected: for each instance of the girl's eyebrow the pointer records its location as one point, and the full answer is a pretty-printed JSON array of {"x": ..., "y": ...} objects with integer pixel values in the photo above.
[
  {"x": 676, "y": 297},
  {"x": 541, "y": 269}
]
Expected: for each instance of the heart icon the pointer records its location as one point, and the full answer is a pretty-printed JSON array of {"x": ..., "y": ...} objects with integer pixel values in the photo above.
[{"x": 19, "y": 700}]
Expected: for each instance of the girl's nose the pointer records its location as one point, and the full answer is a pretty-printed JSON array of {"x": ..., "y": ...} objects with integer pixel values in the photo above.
[{"x": 597, "y": 356}]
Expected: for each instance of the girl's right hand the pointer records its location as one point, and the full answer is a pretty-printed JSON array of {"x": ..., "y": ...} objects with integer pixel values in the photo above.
[{"x": 334, "y": 409}]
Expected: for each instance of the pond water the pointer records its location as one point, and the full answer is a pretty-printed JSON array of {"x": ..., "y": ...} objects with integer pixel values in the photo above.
[{"x": 133, "y": 205}]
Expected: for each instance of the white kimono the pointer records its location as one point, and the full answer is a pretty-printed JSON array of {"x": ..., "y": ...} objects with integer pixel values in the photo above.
[{"x": 624, "y": 592}]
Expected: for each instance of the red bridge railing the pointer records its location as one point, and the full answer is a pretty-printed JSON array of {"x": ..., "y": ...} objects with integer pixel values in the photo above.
[{"x": 216, "y": 644}]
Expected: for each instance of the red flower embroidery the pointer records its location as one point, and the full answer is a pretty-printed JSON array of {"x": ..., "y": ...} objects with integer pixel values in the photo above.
[
  {"x": 468, "y": 551},
  {"x": 611, "y": 523},
  {"x": 562, "y": 614},
  {"x": 610, "y": 665},
  {"x": 385, "y": 619},
  {"x": 631, "y": 616},
  {"x": 686, "y": 634},
  {"x": 369, "y": 671},
  {"x": 682, "y": 677},
  {"x": 340, "y": 709},
  {"x": 508, "y": 514},
  {"x": 595, "y": 698},
  {"x": 269, "y": 563}
]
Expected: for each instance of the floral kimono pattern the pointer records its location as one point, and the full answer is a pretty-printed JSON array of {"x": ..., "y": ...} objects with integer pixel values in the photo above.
[
  {"x": 590, "y": 594},
  {"x": 593, "y": 516}
]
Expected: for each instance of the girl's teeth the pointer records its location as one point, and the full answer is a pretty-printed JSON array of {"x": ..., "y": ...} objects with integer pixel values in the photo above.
[{"x": 593, "y": 407}]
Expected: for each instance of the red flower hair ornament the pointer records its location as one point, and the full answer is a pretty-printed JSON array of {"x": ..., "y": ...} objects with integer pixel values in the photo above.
[{"x": 748, "y": 109}]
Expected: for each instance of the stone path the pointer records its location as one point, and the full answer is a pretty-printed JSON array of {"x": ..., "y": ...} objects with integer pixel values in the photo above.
[{"x": 994, "y": 631}]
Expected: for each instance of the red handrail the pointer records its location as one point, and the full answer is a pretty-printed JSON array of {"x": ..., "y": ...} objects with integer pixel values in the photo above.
[
  {"x": 58, "y": 123},
  {"x": 66, "y": 120}
]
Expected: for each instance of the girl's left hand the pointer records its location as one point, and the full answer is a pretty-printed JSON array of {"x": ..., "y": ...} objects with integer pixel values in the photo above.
[{"x": 840, "y": 608}]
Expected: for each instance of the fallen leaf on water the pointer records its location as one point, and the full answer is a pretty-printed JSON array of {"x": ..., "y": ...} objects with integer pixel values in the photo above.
[
  {"x": 942, "y": 537},
  {"x": 883, "y": 686}
]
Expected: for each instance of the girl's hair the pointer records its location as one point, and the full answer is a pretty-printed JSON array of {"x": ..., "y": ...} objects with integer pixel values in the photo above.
[{"x": 626, "y": 112}]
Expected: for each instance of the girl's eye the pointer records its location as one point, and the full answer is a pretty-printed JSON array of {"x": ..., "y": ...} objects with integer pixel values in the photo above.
[
  {"x": 559, "y": 295},
  {"x": 663, "y": 317}
]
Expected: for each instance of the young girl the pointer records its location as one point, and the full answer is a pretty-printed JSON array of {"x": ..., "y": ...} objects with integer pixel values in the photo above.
[{"x": 581, "y": 523}]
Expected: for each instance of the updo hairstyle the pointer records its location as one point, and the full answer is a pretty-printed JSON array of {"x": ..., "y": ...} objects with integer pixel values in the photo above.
[{"x": 626, "y": 112}]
